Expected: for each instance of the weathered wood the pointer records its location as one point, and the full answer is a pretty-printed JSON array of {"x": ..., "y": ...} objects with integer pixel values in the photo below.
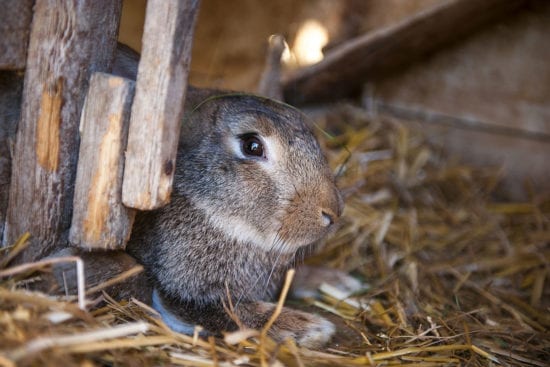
[
  {"x": 157, "y": 110},
  {"x": 347, "y": 67},
  {"x": 11, "y": 87},
  {"x": 15, "y": 24},
  {"x": 99, "y": 218},
  {"x": 68, "y": 41}
]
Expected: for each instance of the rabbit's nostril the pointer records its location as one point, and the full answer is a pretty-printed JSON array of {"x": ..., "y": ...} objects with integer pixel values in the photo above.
[{"x": 327, "y": 218}]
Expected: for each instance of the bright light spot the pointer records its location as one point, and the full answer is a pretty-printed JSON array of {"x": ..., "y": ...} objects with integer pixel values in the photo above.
[
  {"x": 309, "y": 42},
  {"x": 286, "y": 57}
]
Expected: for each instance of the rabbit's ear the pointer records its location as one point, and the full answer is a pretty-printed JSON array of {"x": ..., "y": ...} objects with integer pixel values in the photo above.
[{"x": 201, "y": 99}]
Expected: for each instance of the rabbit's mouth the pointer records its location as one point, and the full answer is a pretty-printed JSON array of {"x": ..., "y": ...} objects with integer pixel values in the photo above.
[{"x": 299, "y": 231}]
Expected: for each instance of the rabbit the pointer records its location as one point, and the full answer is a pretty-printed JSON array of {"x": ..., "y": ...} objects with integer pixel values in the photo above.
[{"x": 252, "y": 195}]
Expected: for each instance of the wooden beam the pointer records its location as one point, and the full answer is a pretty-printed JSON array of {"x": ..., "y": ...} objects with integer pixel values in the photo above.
[
  {"x": 11, "y": 87},
  {"x": 157, "y": 110},
  {"x": 15, "y": 26},
  {"x": 68, "y": 40},
  {"x": 99, "y": 218},
  {"x": 270, "y": 81},
  {"x": 346, "y": 68}
]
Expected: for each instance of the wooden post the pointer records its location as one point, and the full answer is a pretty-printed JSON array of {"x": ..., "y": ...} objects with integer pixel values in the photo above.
[
  {"x": 99, "y": 218},
  {"x": 270, "y": 81},
  {"x": 68, "y": 40},
  {"x": 11, "y": 87},
  {"x": 157, "y": 110},
  {"x": 15, "y": 25}
]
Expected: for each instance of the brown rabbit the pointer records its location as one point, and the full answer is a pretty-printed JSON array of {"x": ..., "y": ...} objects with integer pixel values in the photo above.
[{"x": 252, "y": 194}]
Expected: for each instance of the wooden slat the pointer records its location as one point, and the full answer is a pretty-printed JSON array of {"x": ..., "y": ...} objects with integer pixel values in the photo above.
[
  {"x": 157, "y": 110},
  {"x": 68, "y": 40},
  {"x": 347, "y": 67},
  {"x": 11, "y": 87},
  {"x": 270, "y": 81},
  {"x": 99, "y": 218},
  {"x": 15, "y": 24}
]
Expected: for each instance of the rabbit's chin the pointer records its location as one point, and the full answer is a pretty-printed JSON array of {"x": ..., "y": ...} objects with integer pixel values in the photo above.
[{"x": 240, "y": 231}]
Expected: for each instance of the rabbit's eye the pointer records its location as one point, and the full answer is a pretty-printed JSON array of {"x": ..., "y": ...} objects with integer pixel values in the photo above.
[{"x": 251, "y": 145}]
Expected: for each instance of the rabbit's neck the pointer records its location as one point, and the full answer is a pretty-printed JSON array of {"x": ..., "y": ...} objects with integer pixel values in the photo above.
[{"x": 192, "y": 260}]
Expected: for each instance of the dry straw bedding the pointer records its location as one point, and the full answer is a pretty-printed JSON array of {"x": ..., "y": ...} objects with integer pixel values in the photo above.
[{"x": 452, "y": 276}]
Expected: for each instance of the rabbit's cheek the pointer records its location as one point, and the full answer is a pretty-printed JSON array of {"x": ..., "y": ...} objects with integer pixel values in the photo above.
[{"x": 311, "y": 213}]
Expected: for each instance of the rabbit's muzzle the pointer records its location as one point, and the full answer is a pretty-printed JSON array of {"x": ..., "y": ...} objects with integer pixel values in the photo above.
[{"x": 312, "y": 214}]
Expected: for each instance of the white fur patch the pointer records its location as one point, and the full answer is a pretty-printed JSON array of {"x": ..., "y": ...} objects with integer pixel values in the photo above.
[
  {"x": 317, "y": 335},
  {"x": 236, "y": 228},
  {"x": 242, "y": 232},
  {"x": 273, "y": 153}
]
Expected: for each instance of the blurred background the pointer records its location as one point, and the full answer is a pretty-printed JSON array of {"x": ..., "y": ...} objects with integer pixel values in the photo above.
[{"x": 484, "y": 95}]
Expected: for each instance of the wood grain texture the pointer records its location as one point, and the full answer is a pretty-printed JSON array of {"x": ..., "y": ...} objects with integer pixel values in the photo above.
[
  {"x": 270, "y": 81},
  {"x": 99, "y": 218},
  {"x": 11, "y": 88},
  {"x": 347, "y": 67},
  {"x": 15, "y": 24},
  {"x": 157, "y": 110},
  {"x": 68, "y": 41},
  {"x": 499, "y": 77}
]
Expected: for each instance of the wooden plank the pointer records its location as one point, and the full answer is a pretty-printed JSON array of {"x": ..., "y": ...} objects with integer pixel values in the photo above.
[
  {"x": 15, "y": 24},
  {"x": 11, "y": 87},
  {"x": 99, "y": 218},
  {"x": 68, "y": 41},
  {"x": 270, "y": 81},
  {"x": 346, "y": 68},
  {"x": 499, "y": 77},
  {"x": 157, "y": 110}
]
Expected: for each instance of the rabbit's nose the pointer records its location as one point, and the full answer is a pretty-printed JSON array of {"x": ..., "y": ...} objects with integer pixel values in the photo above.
[
  {"x": 331, "y": 207},
  {"x": 327, "y": 218}
]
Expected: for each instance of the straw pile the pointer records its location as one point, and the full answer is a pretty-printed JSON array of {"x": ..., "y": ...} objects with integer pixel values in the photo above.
[{"x": 451, "y": 277}]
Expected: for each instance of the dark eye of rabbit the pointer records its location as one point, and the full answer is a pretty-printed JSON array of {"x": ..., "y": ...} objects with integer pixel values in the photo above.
[{"x": 252, "y": 146}]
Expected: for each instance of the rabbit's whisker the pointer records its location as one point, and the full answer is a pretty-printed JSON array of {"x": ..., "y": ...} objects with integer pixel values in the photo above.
[
  {"x": 273, "y": 267},
  {"x": 298, "y": 195}
]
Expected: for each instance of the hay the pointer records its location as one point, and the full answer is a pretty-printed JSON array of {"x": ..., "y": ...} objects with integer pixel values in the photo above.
[{"x": 452, "y": 276}]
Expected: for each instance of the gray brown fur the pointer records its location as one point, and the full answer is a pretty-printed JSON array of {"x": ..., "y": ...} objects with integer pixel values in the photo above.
[
  {"x": 190, "y": 257},
  {"x": 195, "y": 265}
]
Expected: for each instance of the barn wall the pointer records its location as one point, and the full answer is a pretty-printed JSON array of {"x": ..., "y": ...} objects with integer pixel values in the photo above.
[
  {"x": 487, "y": 99},
  {"x": 231, "y": 36},
  {"x": 11, "y": 86}
]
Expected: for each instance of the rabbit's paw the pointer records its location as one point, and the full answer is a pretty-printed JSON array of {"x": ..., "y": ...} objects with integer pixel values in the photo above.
[{"x": 308, "y": 330}]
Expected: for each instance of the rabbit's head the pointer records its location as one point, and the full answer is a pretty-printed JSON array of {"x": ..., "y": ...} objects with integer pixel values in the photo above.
[{"x": 256, "y": 170}]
